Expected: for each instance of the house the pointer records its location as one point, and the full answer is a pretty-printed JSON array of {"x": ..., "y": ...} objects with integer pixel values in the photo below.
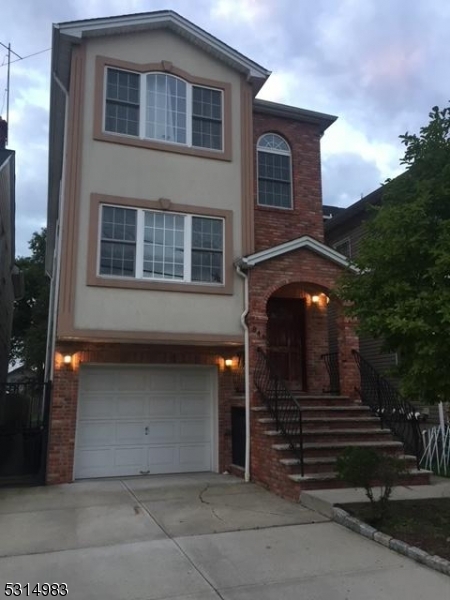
[
  {"x": 185, "y": 229},
  {"x": 344, "y": 232},
  {"x": 7, "y": 247}
]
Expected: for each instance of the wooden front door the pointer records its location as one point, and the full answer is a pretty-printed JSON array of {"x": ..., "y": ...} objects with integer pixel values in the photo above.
[{"x": 286, "y": 339}]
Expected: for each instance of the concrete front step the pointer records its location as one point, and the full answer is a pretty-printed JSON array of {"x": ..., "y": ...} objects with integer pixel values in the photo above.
[
  {"x": 336, "y": 422},
  {"x": 316, "y": 436},
  {"x": 313, "y": 450},
  {"x": 324, "y": 464},
  {"x": 324, "y": 412},
  {"x": 330, "y": 480}
]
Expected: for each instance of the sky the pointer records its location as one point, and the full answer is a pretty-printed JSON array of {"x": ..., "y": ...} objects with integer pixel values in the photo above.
[{"x": 379, "y": 65}]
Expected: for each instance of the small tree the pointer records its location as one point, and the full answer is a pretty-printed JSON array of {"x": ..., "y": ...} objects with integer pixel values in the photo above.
[
  {"x": 401, "y": 294},
  {"x": 29, "y": 330}
]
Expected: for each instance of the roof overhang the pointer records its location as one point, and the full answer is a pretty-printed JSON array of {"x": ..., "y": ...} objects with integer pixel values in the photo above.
[
  {"x": 304, "y": 242},
  {"x": 275, "y": 109}
]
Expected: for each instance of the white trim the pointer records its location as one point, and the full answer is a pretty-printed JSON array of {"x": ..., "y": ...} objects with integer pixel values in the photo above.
[
  {"x": 306, "y": 242},
  {"x": 159, "y": 19}
]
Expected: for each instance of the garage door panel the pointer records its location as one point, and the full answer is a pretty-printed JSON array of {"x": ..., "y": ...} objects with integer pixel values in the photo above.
[
  {"x": 162, "y": 405},
  {"x": 165, "y": 380},
  {"x": 129, "y": 432},
  {"x": 131, "y": 405},
  {"x": 195, "y": 405},
  {"x": 129, "y": 457},
  {"x": 98, "y": 433},
  {"x": 162, "y": 431},
  {"x": 150, "y": 419},
  {"x": 96, "y": 406},
  {"x": 194, "y": 382},
  {"x": 195, "y": 430},
  {"x": 163, "y": 459}
]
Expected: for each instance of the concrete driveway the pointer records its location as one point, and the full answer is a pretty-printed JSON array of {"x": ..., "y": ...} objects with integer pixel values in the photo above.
[{"x": 188, "y": 537}]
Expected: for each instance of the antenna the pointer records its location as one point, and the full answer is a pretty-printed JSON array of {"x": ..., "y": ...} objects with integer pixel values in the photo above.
[{"x": 8, "y": 77}]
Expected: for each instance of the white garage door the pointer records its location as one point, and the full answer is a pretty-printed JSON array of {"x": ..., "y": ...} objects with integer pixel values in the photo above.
[{"x": 139, "y": 420}]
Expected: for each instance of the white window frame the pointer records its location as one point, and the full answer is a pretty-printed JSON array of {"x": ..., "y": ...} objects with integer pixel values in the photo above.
[
  {"x": 143, "y": 106},
  {"x": 274, "y": 151},
  {"x": 139, "y": 257}
]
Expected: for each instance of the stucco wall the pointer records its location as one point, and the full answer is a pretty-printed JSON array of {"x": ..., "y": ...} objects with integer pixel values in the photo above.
[{"x": 131, "y": 172}]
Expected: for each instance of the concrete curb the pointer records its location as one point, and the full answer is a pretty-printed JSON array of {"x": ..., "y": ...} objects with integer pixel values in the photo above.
[{"x": 435, "y": 562}]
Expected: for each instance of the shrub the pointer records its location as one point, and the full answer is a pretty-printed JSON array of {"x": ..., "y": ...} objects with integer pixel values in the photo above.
[{"x": 366, "y": 468}]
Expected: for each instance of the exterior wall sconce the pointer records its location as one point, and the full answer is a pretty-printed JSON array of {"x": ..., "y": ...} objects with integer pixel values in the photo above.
[
  {"x": 228, "y": 363},
  {"x": 315, "y": 299},
  {"x": 68, "y": 362}
]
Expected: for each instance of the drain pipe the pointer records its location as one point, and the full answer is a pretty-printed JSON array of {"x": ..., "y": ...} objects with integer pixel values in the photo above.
[{"x": 247, "y": 373}]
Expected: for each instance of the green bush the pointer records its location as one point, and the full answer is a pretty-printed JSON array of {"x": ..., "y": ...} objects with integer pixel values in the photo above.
[{"x": 367, "y": 468}]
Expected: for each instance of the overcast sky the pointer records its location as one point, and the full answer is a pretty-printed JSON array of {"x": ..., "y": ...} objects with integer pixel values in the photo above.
[{"x": 379, "y": 65}]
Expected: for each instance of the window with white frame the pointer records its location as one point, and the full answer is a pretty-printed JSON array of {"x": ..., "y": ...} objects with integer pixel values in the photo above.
[
  {"x": 148, "y": 244},
  {"x": 163, "y": 107},
  {"x": 274, "y": 171}
]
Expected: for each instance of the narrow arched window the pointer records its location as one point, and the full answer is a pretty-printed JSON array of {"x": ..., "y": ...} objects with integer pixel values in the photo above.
[{"x": 274, "y": 171}]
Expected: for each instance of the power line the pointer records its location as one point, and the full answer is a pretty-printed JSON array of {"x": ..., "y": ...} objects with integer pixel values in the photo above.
[{"x": 28, "y": 56}]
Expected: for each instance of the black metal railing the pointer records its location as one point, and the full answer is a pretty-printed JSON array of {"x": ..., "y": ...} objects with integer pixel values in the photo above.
[
  {"x": 394, "y": 411},
  {"x": 24, "y": 416},
  {"x": 283, "y": 407},
  {"x": 331, "y": 360},
  {"x": 239, "y": 374}
]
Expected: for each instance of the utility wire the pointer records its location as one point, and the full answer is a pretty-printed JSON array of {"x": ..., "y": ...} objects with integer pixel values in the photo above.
[{"x": 28, "y": 56}]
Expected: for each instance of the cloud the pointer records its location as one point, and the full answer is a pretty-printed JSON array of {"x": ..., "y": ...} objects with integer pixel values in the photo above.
[{"x": 376, "y": 64}]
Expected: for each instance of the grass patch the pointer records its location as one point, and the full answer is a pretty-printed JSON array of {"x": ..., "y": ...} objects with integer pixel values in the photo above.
[{"x": 421, "y": 523}]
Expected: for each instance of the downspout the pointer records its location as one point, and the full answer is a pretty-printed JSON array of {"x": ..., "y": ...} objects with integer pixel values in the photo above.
[
  {"x": 54, "y": 291},
  {"x": 247, "y": 373}
]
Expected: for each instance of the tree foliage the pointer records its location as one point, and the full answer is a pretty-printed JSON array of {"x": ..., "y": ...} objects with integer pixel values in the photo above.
[
  {"x": 29, "y": 331},
  {"x": 401, "y": 294}
]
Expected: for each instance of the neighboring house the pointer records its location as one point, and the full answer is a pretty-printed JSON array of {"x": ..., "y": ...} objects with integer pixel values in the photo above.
[
  {"x": 344, "y": 232},
  {"x": 185, "y": 227},
  {"x": 7, "y": 248}
]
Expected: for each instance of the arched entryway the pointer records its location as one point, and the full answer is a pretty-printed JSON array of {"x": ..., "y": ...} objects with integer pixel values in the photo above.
[{"x": 297, "y": 335}]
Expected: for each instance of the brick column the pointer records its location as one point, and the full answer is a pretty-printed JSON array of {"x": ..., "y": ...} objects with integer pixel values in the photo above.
[
  {"x": 63, "y": 417},
  {"x": 348, "y": 340}
]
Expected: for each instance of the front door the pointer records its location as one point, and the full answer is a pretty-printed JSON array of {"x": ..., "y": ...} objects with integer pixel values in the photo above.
[{"x": 286, "y": 339}]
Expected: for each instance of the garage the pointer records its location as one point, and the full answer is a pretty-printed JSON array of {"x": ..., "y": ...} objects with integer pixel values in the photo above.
[{"x": 145, "y": 420}]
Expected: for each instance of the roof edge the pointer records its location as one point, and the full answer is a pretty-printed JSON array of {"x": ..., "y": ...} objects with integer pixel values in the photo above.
[
  {"x": 292, "y": 112},
  {"x": 306, "y": 242}
]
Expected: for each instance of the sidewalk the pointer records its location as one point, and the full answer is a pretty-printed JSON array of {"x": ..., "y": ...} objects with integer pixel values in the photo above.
[{"x": 323, "y": 501}]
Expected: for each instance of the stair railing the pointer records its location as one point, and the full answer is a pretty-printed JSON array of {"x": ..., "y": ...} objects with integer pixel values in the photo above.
[
  {"x": 394, "y": 411},
  {"x": 283, "y": 407},
  {"x": 331, "y": 360}
]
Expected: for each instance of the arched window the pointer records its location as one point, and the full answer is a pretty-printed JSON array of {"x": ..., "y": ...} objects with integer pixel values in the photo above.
[{"x": 274, "y": 171}]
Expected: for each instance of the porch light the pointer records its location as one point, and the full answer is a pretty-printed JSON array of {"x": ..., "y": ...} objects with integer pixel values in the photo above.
[
  {"x": 228, "y": 363},
  {"x": 67, "y": 359},
  {"x": 315, "y": 299}
]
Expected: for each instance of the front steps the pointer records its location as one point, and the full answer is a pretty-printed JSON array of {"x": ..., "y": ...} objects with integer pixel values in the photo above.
[{"x": 330, "y": 424}]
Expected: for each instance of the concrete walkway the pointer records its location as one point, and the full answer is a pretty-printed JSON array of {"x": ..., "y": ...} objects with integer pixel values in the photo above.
[{"x": 194, "y": 537}]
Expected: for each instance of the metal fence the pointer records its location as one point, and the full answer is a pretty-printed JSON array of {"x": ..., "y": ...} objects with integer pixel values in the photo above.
[{"x": 24, "y": 409}]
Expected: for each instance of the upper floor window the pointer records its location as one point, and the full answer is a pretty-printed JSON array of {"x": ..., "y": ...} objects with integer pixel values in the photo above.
[
  {"x": 159, "y": 106},
  {"x": 148, "y": 244},
  {"x": 274, "y": 171}
]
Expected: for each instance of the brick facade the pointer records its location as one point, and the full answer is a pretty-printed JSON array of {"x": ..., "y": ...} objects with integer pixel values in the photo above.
[
  {"x": 298, "y": 274},
  {"x": 63, "y": 415},
  {"x": 273, "y": 225}
]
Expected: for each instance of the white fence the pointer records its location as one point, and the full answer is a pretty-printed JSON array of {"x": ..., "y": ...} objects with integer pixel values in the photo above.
[{"x": 436, "y": 456}]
